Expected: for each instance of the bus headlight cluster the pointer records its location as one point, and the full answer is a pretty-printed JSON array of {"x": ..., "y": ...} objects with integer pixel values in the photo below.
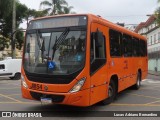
[
  {"x": 24, "y": 82},
  {"x": 78, "y": 85}
]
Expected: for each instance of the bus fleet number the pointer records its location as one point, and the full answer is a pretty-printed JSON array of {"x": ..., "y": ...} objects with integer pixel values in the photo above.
[{"x": 36, "y": 86}]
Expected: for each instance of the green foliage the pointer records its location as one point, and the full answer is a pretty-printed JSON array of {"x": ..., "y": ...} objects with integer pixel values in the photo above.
[
  {"x": 157, "y": 14},
  {"x": 56, "y": 7},
  {"x": 22, "y": 13},
  {"x": 35, "y": 14},
  {"x": 19, "y": 40},
  {"x": 5, "y": 8},
  {"x": 6, "y": 24},
  {"x": 21, "y": 10},
  {"x": 3, "y": 43}
]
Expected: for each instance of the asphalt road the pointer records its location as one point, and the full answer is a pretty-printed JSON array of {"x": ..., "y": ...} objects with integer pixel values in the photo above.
[{"x": 147, "y": 98}]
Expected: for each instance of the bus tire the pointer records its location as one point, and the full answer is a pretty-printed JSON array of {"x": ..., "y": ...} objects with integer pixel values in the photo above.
[
  {"x": 17, "y": 76},
  {"x": 138, "y": 82},
  {"x": 111, "y": 93}
]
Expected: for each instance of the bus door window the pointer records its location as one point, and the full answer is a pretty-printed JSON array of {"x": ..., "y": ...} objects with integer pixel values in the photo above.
[{"x": 98, "y": 51}]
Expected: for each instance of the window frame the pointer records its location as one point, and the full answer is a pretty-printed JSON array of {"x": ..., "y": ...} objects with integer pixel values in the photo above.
[{"x": 2, "y": 66}]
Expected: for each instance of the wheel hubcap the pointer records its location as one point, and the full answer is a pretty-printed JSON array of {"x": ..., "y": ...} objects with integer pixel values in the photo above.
[
  {"x": 138, "y": 82},
  {"x": 110, "y": 91}
]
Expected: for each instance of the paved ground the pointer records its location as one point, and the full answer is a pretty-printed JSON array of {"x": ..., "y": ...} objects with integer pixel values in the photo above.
[
  {"x": 147, "y": 98},
  {"x": 154, "y": 73}
]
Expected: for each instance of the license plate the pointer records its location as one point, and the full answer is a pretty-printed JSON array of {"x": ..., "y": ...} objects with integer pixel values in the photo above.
[{"x": 46, "y": 100}]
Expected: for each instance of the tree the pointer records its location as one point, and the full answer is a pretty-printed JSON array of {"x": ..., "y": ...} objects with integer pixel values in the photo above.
[
  {"x": 32, "y": 13},
  {"x": 157, "y": 14},
  {"x": 22, "y": 13},
  {"x": 19, "y": 40},
  {"x": 67, "y": 10},
  {"x": 7, "y": 24},
  {"x": 56, "y": 7},
  {"x": 3, "y": 42},
  {"x": 5, "y": 9}
]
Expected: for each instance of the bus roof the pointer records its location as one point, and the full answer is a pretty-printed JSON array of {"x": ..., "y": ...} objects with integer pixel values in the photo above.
[
  {"x": 115, "y": 26},
  {"x": 99, "y": 19}
]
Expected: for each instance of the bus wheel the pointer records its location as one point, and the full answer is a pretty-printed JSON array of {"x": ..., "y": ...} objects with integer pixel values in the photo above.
[
  {"x": 138, "y": 82},
  {"x": 111, "y": 93}
]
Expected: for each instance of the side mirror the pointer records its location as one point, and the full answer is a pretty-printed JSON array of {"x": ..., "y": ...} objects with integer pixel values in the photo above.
[{"x": 97, "y": 36}]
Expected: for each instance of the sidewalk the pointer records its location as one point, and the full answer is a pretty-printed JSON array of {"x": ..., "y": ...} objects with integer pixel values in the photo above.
[{"x": 154, "y": 73}]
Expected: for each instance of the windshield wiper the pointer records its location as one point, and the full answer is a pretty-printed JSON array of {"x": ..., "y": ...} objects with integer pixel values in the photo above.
[{"x": 59, "y": 41}]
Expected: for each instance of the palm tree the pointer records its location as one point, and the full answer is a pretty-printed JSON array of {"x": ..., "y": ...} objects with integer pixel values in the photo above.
[
  {"x": 157, "y": 14},
  {"x": 67, "y": 10},
  {"x": 56, "y": 7}
]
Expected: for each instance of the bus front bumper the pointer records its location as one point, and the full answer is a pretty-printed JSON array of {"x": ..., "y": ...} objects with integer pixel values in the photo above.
[{"x": 80, "y": 98}]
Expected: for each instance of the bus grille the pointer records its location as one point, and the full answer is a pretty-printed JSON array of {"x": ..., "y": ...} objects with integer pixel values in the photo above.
[{"x": 55, "y": 98}]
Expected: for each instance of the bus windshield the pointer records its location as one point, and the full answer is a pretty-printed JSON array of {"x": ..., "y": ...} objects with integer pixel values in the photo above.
[{"x": 56, "y": 51}]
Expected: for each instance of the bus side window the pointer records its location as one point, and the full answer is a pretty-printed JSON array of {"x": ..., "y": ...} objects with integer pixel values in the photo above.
[
  {"x": 115, "y": 39},
  {"x": 135, "y": 46},
  {"x": 142, "y": 48},
  {"x": 127, "y": 46},
  {"x": 145, "y": 46}
]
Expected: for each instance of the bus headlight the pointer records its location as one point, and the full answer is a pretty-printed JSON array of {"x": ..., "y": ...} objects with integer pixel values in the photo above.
[
  {"x": 78, "y": 85},
  {"x": 24, "y": 82}
]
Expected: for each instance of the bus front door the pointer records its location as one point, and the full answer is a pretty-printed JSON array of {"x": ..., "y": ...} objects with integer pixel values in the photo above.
[{"x": 98, "y": 63}]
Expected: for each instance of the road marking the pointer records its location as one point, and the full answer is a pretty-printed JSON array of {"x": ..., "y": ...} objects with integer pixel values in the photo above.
[
  {"x": 149, "y": 89},
  {"x": 10, "y": 98},
  {"x": 19, "y": 103},
  {"x": 9, "y": 82},
  {"x": 133, "y": 105},
  {"x": 151, "y": 81},
  {"x": 154, "y": 86},
  {"x": 13, "y": 94},
  {"x": 112, "y": 104},
  {"x": 8, "y": 88},
  {"x": 144, "y": 96},
  {"x": 153, "y": 102}
]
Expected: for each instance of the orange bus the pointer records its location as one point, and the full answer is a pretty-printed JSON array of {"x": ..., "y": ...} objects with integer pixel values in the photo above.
[{"x": 80, "y": 60}]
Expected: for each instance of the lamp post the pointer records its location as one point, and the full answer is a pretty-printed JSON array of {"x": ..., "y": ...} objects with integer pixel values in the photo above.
[{"x": 13, "y": 29}]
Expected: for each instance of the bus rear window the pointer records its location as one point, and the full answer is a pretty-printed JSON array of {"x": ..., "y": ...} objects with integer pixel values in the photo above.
[{"x": 2, "y": 66}]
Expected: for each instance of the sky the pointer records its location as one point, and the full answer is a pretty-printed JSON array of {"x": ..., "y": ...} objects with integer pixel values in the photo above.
[{"x": 122, "y": 11}]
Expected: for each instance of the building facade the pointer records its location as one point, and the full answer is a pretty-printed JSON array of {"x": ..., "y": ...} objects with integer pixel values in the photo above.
[{"x": 151, "y": 30}]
